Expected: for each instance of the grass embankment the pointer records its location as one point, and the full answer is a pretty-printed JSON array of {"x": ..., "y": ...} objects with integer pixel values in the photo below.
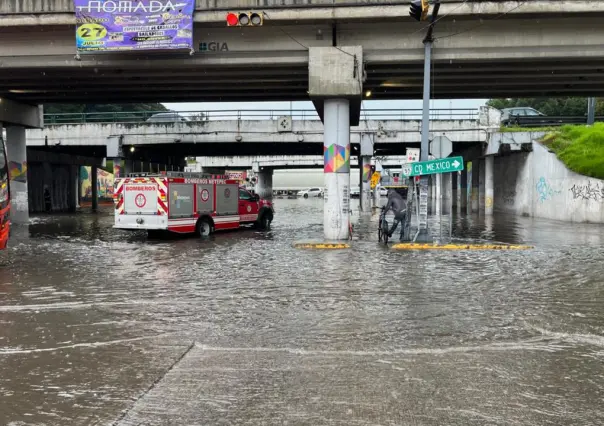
[{"x": 580, "y": 148}]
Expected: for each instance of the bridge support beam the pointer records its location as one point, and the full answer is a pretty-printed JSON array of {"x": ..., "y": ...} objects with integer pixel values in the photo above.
[
  {"x": 462, "y": 200},
  {"x": 469, "y": 173},
  {"x": 366, "y": 185},
  {"x": 336, "y": 148},
  {"x": 335, "y": 86},
  {"x": 17, "y": 158},
  {"x": 264, "y": 185},
  {"x": 489, "y": 181},
  {"x": 94, "y": 172},
  {"x": 475, "y": 184},
  {"x": 481, "y": 188}
]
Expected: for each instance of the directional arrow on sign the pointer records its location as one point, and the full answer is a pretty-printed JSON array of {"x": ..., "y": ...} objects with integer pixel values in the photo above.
[{"x": 432, "y": 167}]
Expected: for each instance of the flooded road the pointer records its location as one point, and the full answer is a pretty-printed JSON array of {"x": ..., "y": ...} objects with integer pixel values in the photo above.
[{"x": 103, "y": 327}]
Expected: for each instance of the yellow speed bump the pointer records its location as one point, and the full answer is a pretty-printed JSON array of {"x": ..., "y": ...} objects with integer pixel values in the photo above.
[
  {"x": 322, "y": 245},
  {"x": 457, "y": 246}
]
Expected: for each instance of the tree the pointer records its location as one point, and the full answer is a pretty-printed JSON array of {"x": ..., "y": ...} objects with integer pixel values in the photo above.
[
  {"x": 550, "y": 106},
  {"x": 75, "y": 111}
]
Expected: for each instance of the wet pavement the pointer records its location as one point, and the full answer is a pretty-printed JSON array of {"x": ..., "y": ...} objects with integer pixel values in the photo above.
[{"x": 103, "y": 327}]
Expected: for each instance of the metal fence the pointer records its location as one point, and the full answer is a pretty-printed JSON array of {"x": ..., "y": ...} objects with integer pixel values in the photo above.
[
  {"x": 547, "y": 121},
  {"x": 210, "y": 115}
]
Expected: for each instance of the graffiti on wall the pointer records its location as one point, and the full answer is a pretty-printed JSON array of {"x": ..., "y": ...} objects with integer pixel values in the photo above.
[
  {"x": 104, "y": 184},
  {"x": 588, "y": 192},
  {"x": 17, "y": 171},
  {"x": 545, "y": 190}
]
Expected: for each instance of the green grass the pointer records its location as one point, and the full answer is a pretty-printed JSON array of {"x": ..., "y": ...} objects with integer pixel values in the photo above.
[
  {"x": 580, "y": 148},
  {"x": 516, "y": 129}
]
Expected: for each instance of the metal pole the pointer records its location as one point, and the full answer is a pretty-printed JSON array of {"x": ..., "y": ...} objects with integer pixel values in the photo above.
[
  {"x": 423, "y": 234},
  {"x": 591, "y": 111}
]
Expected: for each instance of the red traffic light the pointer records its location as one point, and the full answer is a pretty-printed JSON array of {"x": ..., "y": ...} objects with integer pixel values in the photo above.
[
  {"x": 232, "y": 19},
  {"x": 245, "y": 19}
]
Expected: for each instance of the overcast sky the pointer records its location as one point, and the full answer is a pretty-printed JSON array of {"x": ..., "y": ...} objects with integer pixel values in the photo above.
[{"x": 216, "y": 106}]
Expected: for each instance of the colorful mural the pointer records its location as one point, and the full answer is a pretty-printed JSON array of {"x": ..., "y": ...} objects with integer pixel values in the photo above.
[
  {"x": 336, "y": 158},
  {"x": 366, "y": 172},
  {"x": 104, "y": 184},
  {"x": 18, "y": 171}
]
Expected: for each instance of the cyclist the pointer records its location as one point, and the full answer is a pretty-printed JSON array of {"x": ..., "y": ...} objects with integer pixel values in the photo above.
[{"x": 398, "y": 205}]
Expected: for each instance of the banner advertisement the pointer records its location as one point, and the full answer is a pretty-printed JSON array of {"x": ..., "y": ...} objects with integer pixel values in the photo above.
[{"x": 133, "y": 25}]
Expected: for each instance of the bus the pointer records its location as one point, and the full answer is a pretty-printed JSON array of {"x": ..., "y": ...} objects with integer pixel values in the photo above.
[{"x": 4, "y": 196}]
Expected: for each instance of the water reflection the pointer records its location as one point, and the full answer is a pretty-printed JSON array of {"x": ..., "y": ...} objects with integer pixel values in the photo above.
[{"x": 92, "y": 316}]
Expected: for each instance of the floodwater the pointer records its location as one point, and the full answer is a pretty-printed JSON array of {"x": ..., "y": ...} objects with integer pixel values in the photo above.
[{"x": 103, "y": 327}]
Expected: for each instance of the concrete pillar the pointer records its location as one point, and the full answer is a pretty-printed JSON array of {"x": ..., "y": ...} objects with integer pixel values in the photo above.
[
  {"x": 447, "y": 193},
  {"x": 336, "y": 148},
  {"x": 463, "y": 190},
  {"x": 469, "y": 173},
  {"x": 438, "y": 198},
  {"x": 17, "y": 158},
  {"x": 94, "y": 184},
  {"x": 264, "y": 185},
  {"x": 366, "y": 185},
  {"x": 454, "y": 179},
  {"x": 489, "y": 181},
  {"x": 481, "y": 188},
  {"x": 128, "y": 167},
  {"x": 75, "y": 170},
  {"x": 475, "y": 185},
  {"x": 117, "y": 167}
]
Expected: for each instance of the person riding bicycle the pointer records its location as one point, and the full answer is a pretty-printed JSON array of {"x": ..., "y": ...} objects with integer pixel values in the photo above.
[{"x": 398, "y": 205}]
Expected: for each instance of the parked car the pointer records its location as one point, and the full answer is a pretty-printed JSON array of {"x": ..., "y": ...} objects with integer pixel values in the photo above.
[
  {"x": 509, "y": 115},
  {"x": 166, "y": 117},
  {"x": 310, "y": 192},
  {"x": 355, "y": 192}
]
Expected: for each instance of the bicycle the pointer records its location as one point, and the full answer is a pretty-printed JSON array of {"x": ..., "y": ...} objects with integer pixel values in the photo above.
[{"x": 383, "y": 226}]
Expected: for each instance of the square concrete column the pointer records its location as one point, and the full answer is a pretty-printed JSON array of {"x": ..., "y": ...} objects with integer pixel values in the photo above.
[
  {"x": 454, "y": 190},
  {"x": 17, "y": 165},
  {"x": 94, "y": 178},
  {"x": 481, "y": 187},
  {"x": 264, "y": 184},
  {"x": 469, "y": 173},
  {"x": 475, "y": 184},
  {"x": 366, "y": 185},
  {"x": 489, "y": 180},
  {"x": 463, "y": 190},
  {"x": 335, "y": 86},
  {"x": 447, "y": 193}
]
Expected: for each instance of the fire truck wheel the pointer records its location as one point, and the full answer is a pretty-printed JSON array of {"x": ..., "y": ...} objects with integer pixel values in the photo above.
[
  {"x": 205, "y": 227},
  {"x": 264, "y": 221}
]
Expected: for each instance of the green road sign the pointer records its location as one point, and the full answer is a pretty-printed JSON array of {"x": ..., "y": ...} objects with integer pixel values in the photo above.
[{"x": 433, "y": 167}]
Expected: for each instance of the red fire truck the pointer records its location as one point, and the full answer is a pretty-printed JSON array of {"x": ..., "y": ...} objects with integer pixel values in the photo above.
[{"x": 187, "y": 202}]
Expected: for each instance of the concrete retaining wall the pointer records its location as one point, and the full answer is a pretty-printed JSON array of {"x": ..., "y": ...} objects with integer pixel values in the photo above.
[{"x": 538, "y": 184}]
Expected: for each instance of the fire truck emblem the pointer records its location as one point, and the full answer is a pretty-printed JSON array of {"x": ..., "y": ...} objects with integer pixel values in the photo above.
[
  {"x": 205, "y": 195},
  {"x": 249, "y": 209},
  {"x": 140, "y": 200},
  {"x": 227, "y": 193}
]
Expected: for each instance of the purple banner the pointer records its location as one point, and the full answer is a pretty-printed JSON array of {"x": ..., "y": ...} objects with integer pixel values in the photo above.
[{"x": 133, "y": 25}]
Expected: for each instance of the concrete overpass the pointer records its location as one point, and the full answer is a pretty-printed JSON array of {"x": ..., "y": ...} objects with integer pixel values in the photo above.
[
  {"x": 483, "y": 49},
  {"x": 281, "y": 135},
  {"x": 334, "y": 54},
  {"x": 279, "y": 162}
]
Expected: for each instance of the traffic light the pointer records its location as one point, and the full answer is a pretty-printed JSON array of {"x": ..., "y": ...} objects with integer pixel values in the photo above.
[
  {"x": 419, "y": 10},
  {"x": 245, "y": 19}
]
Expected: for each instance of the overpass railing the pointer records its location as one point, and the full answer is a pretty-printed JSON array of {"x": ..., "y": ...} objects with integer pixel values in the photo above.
[{"x": 272, "y": 114}]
